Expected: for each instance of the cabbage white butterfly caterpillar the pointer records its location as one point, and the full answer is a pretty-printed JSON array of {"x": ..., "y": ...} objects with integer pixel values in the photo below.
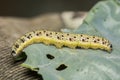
[{"x": 60, "y": 39}]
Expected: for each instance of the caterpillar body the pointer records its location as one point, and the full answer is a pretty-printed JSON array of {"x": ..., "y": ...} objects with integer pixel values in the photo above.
[{"x": 60, "y": 39}]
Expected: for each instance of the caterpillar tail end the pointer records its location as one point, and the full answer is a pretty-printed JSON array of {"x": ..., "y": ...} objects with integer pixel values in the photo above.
[{"x": 110, "y": 48}]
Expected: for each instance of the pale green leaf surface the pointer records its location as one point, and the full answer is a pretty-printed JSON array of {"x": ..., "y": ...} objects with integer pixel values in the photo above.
[{"x": 83, "y": 64}]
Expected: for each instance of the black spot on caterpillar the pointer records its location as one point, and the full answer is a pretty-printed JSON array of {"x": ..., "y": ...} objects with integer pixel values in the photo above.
[{"x": 60, "y": 39}]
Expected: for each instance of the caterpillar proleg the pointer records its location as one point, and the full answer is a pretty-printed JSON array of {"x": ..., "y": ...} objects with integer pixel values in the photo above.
[{"x": 60, "y": 39}]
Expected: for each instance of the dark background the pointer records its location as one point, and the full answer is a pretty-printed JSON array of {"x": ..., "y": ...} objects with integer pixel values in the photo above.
[{"x": 30, "y": 8}]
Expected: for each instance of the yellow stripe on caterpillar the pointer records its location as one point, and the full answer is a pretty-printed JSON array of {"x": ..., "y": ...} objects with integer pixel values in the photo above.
[{"x": 60, "y": 39}]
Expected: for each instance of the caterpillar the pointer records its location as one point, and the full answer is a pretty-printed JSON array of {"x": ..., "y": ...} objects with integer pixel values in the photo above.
[{"x": 60, "y": 39}]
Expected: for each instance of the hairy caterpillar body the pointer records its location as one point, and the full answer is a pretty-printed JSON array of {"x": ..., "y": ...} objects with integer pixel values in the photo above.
[{"x": 60, "y": 39}]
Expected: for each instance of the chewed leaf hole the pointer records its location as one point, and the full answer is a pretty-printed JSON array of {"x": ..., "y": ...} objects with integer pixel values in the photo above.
[
  {"x": 61, "y": 67},
  {"x": 49, "y": 56}
]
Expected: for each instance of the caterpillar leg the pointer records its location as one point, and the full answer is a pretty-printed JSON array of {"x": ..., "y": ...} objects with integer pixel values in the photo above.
[
  {"x": 58, "y": 44},
  {"x": 72, "y": 45},
  {"x": 46, "y": 42}
]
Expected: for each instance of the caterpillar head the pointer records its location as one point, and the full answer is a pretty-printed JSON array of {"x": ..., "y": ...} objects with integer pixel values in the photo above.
[
  {"x": 13, "y": 53},
  {"x": 18, "y": 56}
]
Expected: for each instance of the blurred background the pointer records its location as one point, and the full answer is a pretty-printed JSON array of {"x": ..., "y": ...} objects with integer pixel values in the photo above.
[{"x": 30, "y": 8}]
